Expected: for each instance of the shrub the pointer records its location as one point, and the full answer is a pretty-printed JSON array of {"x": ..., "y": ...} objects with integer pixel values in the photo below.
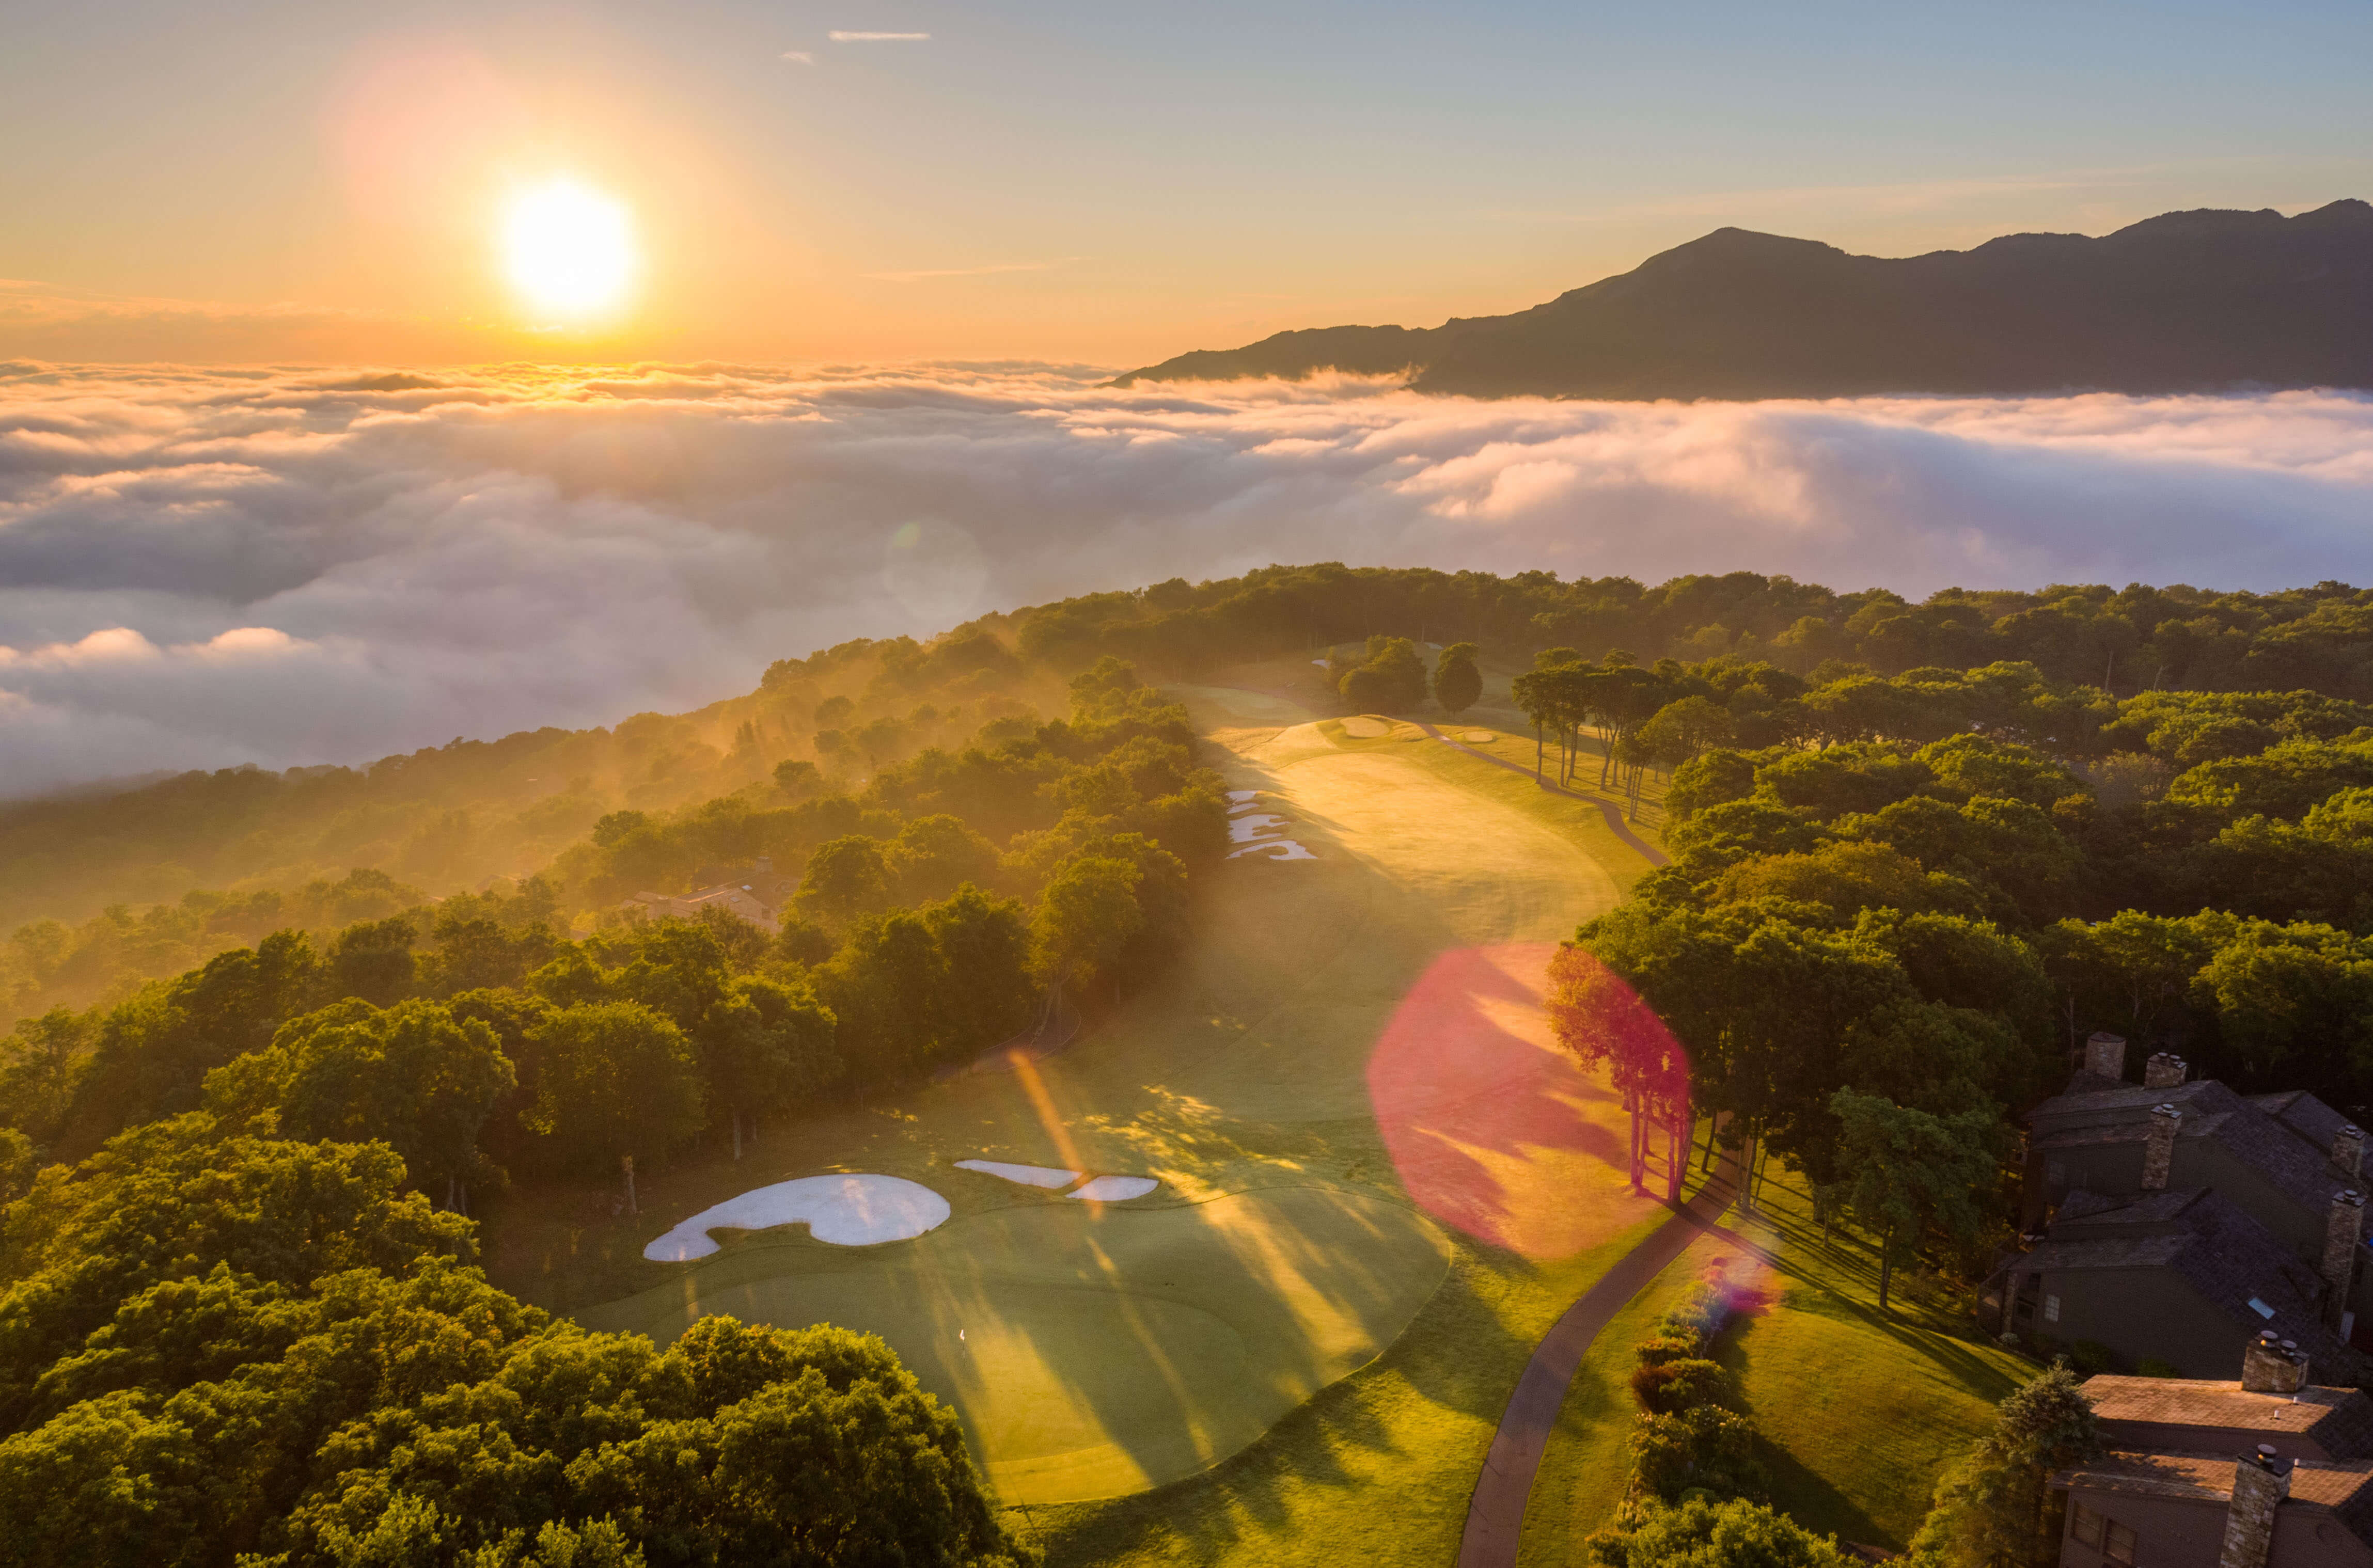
[
  {"x": 1706, "y": 1447},
  {"x": 1709, "y": 1534},
  {"x": 1684, "y": 1385},
  {"x": 1664, "y": 1348}
]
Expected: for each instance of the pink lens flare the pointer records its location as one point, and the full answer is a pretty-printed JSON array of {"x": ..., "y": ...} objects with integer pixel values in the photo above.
[{"x": 1494, "y": 1126}]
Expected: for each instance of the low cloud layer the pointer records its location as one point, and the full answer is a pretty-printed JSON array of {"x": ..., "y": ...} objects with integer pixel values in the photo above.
[{"x": 199, "y": 568}]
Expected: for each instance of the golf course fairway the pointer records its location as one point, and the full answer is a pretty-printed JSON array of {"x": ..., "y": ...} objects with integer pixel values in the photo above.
[{"x": 1348, "y": 1094}]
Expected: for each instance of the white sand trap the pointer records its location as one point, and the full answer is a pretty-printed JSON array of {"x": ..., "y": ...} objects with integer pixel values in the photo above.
[
  {"x": 1028, "y": 1175},
  {"x": 1287, "y": 849},
  {"x": 848, "y": 1211},
  {"x": 1115, "y": 1189},
  {"x": 1479, "y": 737},
  {"x": 1367, "y": 728},
  {"x": 1253, "y": 825},
  {"x": 1319, "y": 662},
  {"x": 1242, "y": 800}
]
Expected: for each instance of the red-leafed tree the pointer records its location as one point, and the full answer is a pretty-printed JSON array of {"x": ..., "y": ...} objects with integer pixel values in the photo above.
[{"x": 1602, "y": 1022}]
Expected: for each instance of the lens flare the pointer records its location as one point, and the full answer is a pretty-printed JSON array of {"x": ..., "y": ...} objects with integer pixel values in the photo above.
[
  {"x": 568, "y": 250},
  {"x": 1493, "y": 1127}
]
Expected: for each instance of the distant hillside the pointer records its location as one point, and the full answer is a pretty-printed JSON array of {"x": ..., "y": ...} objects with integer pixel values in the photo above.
[{"x": 2194, "y": 301}]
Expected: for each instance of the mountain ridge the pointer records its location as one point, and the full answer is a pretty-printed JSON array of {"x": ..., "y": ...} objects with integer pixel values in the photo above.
[{"x": 2198, "y": 301}]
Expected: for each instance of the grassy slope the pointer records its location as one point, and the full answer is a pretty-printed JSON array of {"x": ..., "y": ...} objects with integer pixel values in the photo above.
[
  {"x": 1244, "y": 1075},
  {"x": 1859, "y": 1410}
]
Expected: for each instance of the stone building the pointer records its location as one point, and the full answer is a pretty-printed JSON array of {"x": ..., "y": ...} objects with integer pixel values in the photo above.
[
  {"x": 2270, "y": 1471},
  {"x": 756, "y": 894},
  {"x": 2232, "y": 1212}
]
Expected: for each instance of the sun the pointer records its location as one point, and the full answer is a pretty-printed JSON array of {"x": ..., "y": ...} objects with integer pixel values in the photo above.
[{"x": 568, "y": 250}]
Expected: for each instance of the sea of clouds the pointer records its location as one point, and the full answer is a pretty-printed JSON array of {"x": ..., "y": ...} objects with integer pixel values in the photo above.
[{"x": 205, "y": 567}]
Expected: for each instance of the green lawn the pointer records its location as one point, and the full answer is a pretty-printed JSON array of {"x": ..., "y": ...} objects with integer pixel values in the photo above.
[
  {"x": 1860, "y": 1409},
  {"x": 1378, "y": 1469},
  {"x": 1291, "y": 1277}
]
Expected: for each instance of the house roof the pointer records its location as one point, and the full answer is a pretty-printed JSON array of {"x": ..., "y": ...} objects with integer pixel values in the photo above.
[
  {"x": 2338, "y": 1421},
  {"x": 2203, "y": 1477},
  {"x": 2205, "y": 1239},
  {"x": 2284, "y": 1138},
  {"x": 2344, "y": 1486}
]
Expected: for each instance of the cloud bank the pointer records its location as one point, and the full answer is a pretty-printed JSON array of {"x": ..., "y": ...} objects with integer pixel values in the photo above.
[{"x": 199, "y": 568}]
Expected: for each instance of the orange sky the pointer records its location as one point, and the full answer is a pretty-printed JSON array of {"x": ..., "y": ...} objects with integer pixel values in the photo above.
[{"x": 1055, "y": 182}]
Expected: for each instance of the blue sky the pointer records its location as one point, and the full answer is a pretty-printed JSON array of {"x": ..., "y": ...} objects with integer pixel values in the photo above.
[{"x": 1108, "y": 184}]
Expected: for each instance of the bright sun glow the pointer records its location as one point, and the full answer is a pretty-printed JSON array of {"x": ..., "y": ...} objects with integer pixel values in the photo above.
[{"x": 568, "y": 249}]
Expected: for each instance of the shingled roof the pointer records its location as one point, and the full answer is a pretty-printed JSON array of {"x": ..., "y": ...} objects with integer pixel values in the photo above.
[
  {"x": 2338, "y": 1421},
  {"x": 2345, "y": 1487},
  {"x": 2206, "y": 1240},
  {"x": 2286, "y": 1138}
]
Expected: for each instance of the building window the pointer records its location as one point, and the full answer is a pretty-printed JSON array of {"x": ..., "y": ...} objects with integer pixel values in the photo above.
[
  {"x": 2050, "y": 1308},
  {"x": 2117, "y": 1542},
  {"x": 2261, "y": 1308},
  {"x": 2085, "y": 1525}
]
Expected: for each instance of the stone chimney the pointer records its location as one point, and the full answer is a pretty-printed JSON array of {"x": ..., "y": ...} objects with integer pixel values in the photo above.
[
  {"x": 2164, "y": 1071},
  {"x": 2268, "y": 1366},
  {"x": 2348, "y": 1151},
  {"x": 2342, "y": 1231},
  {"x": 2159, "y": 1148},
  {"x": 2105, "y": 1054},
  {"x": 2260, "y": 1482}
]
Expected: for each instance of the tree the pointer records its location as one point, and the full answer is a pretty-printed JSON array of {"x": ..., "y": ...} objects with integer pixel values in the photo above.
[
  {"x": 1602, "y": 1022},
  {"x": 798, "y": 778},
  {"x": 1084, "y": 918},
  {"x": 1995, "y": 1507},
  {"x": 933, "y": 856},
  {"x": 1457, "y": 680},
  {"x": 764, "y": 1047},
  {"x": 1679, "y": 730},
  {"x": 18, "y": 1163},
  {"x": 372, "y": 959},
  {"x": 1734, "y": 1533},
  {"x": 847, "y": 878},
  {"x": 1391, "y": 678},
  {"x": 617, "y": 1081},
  {"x": 413, "y": 1076},
  {"x": 1908, "y": 1173}
]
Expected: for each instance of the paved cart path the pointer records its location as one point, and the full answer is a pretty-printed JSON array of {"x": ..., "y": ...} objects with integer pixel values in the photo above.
[{"x": 1495, "y": 1518}]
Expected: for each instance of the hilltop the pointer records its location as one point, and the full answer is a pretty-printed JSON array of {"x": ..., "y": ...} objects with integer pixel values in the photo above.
[{"x": 2184, "y": 302}]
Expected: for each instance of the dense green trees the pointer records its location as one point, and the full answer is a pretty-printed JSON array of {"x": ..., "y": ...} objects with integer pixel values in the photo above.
[
  {"x": 614, "y": 1081},
  {"x": 216, "y": 1348},
  {"x": 412, "y": 1076},
  {"x": 1390, "y": 678},
  {"x": 1909, "y": 1174}
]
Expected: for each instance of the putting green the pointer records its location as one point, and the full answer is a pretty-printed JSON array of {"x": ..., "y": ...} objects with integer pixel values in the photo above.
[
  {"x": 1367, "y": 728},
  {"x": 1101, "y": 1354},
  {"x": 1093, "y": 1352}
]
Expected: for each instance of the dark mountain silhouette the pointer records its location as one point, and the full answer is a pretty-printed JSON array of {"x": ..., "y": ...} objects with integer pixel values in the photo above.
[{"x": 2194, "y": 301}]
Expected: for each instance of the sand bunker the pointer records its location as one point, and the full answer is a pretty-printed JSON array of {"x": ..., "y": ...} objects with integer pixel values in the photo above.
[
  {"x": 1286, "y": 849},
  {"x": 1028, "y": 1175},
  {"x": 1250, "y": 828},
  {"x": 1242, "y": 800},
  {"x": 1479, "y": 737},
  {"x": 1115, "y": 1189},
  {"x": 1367, "y": 728},
  {"x": 848, "y": 1211}
]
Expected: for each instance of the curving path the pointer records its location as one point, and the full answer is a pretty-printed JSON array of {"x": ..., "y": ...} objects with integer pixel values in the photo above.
[
  {"x": 1623, "y": 830},
  {"x": 1495, "y": 1518}
]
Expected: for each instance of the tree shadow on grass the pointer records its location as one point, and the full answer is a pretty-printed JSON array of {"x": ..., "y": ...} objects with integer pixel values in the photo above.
[
  {"x": 1457, "y": 1354},
  {"x": 1813, "y": 1502}
]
